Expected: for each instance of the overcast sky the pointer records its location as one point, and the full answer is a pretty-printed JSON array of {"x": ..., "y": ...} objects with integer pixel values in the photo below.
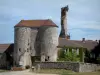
[{"x": 83, "y": 16}]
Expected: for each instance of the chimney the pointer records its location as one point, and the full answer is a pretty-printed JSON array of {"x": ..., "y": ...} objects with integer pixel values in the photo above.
[
  {"x": 99, "y": 41},
  {"x": 83, "y": 40},
  {"x": 96, "y": 40},
  {"x": 63, "y": 33}
]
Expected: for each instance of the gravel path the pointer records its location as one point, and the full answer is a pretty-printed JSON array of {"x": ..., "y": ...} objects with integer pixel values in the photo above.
[{"x": 22, "y": 73}]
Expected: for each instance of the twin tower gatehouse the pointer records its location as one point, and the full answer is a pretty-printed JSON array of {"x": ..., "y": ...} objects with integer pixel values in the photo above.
[{"x": 35, "y": 38}]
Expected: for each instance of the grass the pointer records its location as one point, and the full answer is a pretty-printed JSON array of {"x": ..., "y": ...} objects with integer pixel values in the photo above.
[
  {"x": 66, "y": 72},
  {"x": 2, "y": 70},
  {"x": 56, "y": 71},
  {"x": 88, "y": 73}
]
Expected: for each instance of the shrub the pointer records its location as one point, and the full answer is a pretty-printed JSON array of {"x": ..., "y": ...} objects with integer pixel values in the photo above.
[{"x": 67, "y": 55}]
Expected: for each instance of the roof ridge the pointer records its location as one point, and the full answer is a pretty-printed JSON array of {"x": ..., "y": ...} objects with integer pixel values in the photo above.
[
  {"x": 36, "y": 23},
  {"x": 34, "y": 19},
  {"x": 5, "y": 43},
  {"x": 45, "y": 22}
]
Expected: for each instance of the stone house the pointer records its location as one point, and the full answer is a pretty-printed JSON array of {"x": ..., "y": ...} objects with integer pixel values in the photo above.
[{"x": 80, "y": 46}]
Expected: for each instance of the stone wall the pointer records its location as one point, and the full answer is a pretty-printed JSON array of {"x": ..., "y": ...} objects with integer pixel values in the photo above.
[
  {"x": 74, "y": 66},
  {"x": 89, "y": 67},
  {"x": 59, "y": 65}
]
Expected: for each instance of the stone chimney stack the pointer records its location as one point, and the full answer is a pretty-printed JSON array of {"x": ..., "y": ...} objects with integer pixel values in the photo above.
[
  {"x": 63, "y": 33},
  {"x": 83, "y": 40},
  {"x": 99, "y": 41}
]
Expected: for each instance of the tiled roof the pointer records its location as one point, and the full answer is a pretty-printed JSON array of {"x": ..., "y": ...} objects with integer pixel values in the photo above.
[
  {"x": 6, "y": 47},
  {"x": 36, "y": 23},
  {"x": 78, "y": 43}
]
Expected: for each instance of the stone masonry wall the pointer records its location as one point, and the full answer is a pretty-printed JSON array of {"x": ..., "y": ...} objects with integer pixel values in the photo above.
[
  {"x": 74, "y": 66},
  {"x": 58, "y": 65},
  {"x": 89, "y": 67}
]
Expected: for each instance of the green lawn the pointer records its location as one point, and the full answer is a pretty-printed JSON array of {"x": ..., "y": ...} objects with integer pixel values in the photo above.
[
  {"x": 66, "y": 72},
  {"x": 55, "y": 71},
  {"x": 2, "y": 70},
  {"x": 87, "y": 73}
]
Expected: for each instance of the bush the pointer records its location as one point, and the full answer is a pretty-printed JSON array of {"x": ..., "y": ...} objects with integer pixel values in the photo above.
[
  {"x": 71, "y": 56},
  {"x": 67, "y": 55}
]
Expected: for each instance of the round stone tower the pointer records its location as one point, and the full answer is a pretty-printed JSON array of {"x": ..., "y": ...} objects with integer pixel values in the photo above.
[
  {"x": 22, "y": 46},
  {"x": 49, "y": 42}
]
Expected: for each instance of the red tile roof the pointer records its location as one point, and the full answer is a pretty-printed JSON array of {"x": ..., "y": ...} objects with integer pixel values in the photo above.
[
  {"x": 36, "y": 23},
  {"x": 5, "y": 47},
  {"x": 78, "y": 43}
]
